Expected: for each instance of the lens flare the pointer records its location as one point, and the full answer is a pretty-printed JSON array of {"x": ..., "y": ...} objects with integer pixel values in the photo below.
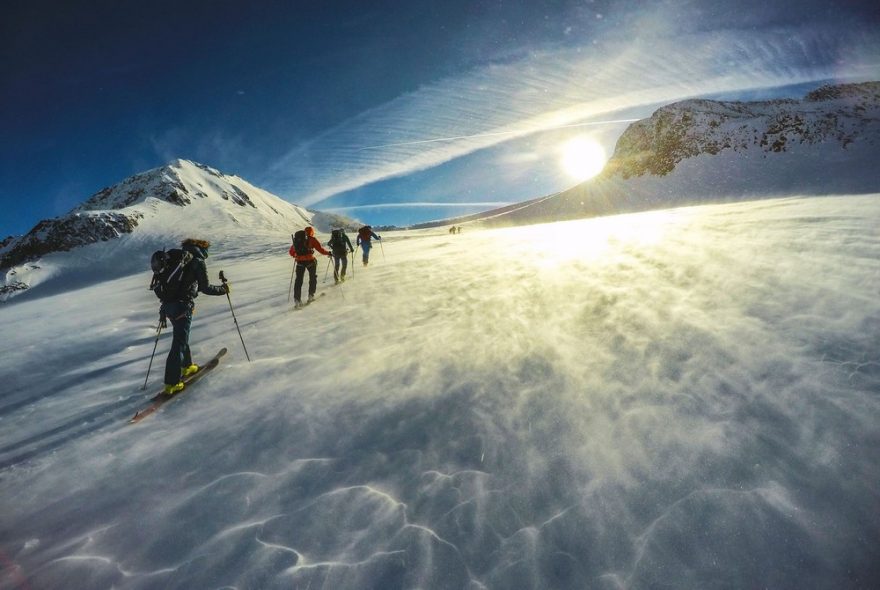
[{"x": 583, "y": 158}]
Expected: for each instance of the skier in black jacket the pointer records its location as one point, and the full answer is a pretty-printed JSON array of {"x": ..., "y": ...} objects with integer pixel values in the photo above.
[
  {"x": 180, "y": 312},
  {"x": 340, "y": 246}
]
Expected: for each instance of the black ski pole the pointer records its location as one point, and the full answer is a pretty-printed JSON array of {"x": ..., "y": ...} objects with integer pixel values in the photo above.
[
  {"x": 155, "y": 344},
  {"x": 234, "y": 319},
  {"x": 292, "y": 270}
]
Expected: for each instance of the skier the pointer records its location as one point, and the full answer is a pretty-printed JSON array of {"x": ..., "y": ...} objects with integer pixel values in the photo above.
[
  {"x": 340, "y": 246},
  {"x": 180, "y": 311},
  {"x": 363, "y": 240},
  {"x": 306, "y": 261}
]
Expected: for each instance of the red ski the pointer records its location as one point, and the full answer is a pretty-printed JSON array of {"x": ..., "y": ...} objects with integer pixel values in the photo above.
[{"x": 158, "y": 400}]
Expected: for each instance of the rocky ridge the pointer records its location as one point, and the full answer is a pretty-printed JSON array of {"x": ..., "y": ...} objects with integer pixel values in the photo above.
[{"x": 690, "y": 128}]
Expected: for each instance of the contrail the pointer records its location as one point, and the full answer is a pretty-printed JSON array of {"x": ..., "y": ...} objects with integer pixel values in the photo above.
[
  {"x": 416, "y": 204},
  {"x": 496, "y": 133}
]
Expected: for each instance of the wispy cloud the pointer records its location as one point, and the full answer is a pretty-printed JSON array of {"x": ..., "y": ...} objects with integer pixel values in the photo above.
[
  {"x": 497, "y": 134},
  {"x": 215, "y": 146},
  {"x": 555, "y": 89},
  {"x": 421, "y": 204}
]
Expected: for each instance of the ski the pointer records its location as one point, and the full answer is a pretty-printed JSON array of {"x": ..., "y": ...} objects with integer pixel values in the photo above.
[
  {"x": 158, "y": 400},
  {"x": 307, "y": 303}
]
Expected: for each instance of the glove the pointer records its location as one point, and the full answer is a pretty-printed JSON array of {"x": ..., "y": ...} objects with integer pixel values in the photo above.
[{"x": 162, "y": 319}]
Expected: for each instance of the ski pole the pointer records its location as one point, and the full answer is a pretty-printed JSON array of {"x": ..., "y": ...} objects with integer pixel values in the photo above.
[
  {"x": 234, "y": 319},
  {"x": 329, "y": 260},
  {"x": 352, "y": 262},
  {"x": 155, "y": 344},
  {"x": 383, "y": 250},
  {"x": 292, "y": 270}
]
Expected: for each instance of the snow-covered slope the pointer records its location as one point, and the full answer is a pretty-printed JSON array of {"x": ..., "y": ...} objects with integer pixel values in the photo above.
[
  {"x": 702, "y": 151},
  {"x": 120, "y": 226},
  {"x": 681, "y": 399}
]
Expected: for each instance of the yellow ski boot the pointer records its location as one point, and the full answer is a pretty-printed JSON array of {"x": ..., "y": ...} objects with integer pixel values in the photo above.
[{"x": 172, "y": 389}]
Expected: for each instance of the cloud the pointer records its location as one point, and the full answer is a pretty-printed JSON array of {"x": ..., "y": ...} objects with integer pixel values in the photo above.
[
  {"x": 420, "y": 204},
  {"x": 214, "y": 146},
  {"x": 553, "y": 89}
]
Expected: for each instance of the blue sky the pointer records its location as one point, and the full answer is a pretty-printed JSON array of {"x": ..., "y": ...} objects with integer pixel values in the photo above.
[{"x": 354, "y": 105}]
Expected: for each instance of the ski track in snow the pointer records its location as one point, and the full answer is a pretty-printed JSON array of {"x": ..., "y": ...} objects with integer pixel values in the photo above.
[{"x": 683, "y": 398}]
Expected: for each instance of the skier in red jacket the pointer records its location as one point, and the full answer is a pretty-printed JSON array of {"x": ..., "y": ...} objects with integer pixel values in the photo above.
[{"x": 305, "y": 260}]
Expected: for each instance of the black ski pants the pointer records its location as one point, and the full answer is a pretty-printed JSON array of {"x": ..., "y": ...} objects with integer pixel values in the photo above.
[
  {"x": 301, "y": 268},
  {"x": 180, "y": 314},
  {"x": 340, "y": 258}
]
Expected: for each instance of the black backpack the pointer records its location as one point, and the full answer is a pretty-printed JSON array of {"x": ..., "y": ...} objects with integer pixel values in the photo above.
[
  {"x": 301, "y": 243},
  {"x": 168, "y": 269},
  {"x": 337, "y": 239}
]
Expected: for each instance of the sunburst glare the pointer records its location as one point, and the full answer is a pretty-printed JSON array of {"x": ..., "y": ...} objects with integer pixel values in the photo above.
[{"x": 583, "y": 158}]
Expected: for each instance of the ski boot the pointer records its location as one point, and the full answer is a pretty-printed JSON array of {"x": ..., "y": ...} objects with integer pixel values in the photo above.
[
  {"x": 172, "y": 389},
  {"x": 190, "y": 370}
]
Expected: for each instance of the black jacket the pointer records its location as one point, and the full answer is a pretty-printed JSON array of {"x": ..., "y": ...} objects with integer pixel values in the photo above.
[
  {"x": 339, "y": 249},
  {"x": 195, "y": 276}
]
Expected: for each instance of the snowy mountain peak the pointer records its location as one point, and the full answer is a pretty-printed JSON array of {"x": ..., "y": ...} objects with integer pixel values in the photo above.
[
  {"x": 150, "y": 210},
  {"x": 179, "y": 183}
]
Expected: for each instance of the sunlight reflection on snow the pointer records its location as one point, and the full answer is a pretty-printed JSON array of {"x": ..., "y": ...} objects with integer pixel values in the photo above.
[{"x": 558, "y": 243}]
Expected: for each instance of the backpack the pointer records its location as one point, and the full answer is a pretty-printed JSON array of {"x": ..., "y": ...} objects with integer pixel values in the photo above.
[
  {"x": 301, "y": 243},
  {"x": 168, "y": 267},
  {"x": 365, "y": 233},
  {"x": 337, "y": 239}
]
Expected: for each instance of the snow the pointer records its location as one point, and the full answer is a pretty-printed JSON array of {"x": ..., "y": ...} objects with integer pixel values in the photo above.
[{"x": 684, "y": 398}]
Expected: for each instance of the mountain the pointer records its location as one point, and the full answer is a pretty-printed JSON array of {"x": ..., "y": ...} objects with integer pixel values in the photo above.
[
  {"x": 145, "y": 212},
  {"x": 699, "y": 151}
]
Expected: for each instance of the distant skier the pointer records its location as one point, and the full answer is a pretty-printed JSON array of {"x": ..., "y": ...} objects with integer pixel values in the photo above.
[
  {"x": 179, "y": 309},
  {"x": 365, "y": 234},
  {"x": 303, "y": 250},
  {"x": 340, "y": 246}
]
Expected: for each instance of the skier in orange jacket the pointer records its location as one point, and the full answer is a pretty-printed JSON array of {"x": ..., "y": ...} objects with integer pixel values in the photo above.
[{"x": 304, "y": 253}]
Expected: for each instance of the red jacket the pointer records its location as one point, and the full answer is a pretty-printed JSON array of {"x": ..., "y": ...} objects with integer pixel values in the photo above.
[{"x": 313, "y": 244}]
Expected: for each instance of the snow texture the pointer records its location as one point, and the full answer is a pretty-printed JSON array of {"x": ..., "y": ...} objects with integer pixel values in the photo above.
[{"x": 686, "y": 398}]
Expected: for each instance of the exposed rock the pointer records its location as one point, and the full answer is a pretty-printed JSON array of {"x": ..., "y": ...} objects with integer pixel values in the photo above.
[
  {"x": 65, "y": 233},
  {"x": 696, "y": 127}
]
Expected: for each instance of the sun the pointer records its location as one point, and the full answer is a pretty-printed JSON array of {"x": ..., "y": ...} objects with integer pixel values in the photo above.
[{"x": 583, "y": 158}]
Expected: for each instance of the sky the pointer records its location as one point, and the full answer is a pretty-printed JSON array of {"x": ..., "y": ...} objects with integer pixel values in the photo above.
[
  {"x": 391, "y": 112},
  {"x": 684, "y": 398}
]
